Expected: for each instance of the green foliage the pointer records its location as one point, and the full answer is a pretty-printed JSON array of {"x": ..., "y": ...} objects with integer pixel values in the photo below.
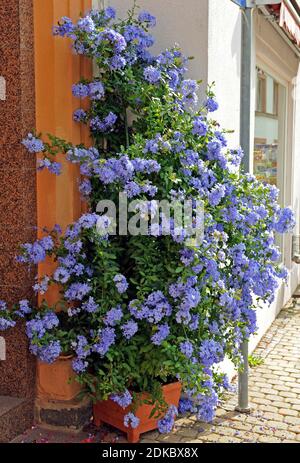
[{"x": 255, "y": 361}]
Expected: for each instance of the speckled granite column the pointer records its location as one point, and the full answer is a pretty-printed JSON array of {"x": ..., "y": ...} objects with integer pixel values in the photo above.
[{"x": 18, "y": 185}]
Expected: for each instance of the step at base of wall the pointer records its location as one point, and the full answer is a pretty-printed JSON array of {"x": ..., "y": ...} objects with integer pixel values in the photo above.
[
  {"x": 65, "y": 416},
  {"x": 16, "y": 415}
]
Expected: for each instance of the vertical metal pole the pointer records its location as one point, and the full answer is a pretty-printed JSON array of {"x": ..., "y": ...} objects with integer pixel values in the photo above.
[
  {"x": 246, "y": 72},
  {"x": 243, "y": 397},
  {"x": 245, "y": 134}
]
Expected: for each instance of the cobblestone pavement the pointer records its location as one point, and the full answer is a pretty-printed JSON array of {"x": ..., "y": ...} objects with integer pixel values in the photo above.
[
  {"x": 274, "y": 395},
  {"x": 274, "y": 389}
]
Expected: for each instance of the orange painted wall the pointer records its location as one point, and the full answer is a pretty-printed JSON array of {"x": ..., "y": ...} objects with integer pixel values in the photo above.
[{"x": 56, "y": 69}]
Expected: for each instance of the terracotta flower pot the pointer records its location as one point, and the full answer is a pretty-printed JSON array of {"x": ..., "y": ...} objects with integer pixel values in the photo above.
[
  {"x": 56, "y": 381},
  {"x": 107, "y": 411}
]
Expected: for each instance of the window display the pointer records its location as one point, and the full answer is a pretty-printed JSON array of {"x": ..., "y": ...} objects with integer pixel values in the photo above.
[{"x": 269, "y": 129}]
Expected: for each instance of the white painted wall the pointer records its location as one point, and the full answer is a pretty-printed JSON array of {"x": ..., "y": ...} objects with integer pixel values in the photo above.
[
  {"x": 224, "y": 62},
  {"x": 198, "y": 27},
  {"x": 182, "y": 22},
  {"x": 295, "y": 177},
  {"x": 296, "y": 148}
]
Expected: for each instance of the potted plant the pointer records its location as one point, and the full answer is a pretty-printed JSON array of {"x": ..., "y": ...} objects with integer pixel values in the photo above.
[
  {"x": 143, "y": 415},
  {"x": 151, "y": 300}
]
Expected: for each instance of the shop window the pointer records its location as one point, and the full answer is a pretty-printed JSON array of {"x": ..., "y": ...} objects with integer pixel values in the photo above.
[{"x": 270, "y": 117}]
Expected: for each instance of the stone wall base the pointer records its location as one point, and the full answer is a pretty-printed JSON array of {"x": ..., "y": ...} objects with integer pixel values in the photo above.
[{"x": 65, "y": 416}]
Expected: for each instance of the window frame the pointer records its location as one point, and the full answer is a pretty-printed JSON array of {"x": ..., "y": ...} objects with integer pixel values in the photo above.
[
  {"x": 287, "y": 161},
  {"x": 287, "y": 153}
]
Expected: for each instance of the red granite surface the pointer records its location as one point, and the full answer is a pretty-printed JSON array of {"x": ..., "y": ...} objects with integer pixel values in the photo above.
[{"x": 18, "y": 185}]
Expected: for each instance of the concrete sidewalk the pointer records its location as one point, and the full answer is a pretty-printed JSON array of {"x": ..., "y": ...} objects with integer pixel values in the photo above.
[{"x": 274, "y": 395}]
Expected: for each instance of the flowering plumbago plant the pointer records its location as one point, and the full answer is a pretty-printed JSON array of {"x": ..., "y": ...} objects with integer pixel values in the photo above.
[{"x": 141, "y": 310}]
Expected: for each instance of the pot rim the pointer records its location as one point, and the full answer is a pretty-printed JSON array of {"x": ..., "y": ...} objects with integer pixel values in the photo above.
[
  {"x": 61, "y": 358},
  {"x": 65, "y": 357},
  {"x": 171, "y": 385}
]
